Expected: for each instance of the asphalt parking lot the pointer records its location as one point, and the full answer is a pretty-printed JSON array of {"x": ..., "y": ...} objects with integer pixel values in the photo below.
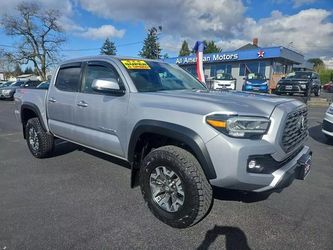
[{"x": 81, "y": 199}]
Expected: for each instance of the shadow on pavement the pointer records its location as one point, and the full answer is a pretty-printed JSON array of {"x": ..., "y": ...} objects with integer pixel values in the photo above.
[
  {"x": 235, "y": 195},
  {"x": 64, "y": 147},
  {"x": 235, "y": 238},
  {"x": 106, "y": 157},
  {"x": 316, "y": 134}
]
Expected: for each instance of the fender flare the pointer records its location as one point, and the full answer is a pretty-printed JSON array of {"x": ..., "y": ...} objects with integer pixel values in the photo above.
[
  {"x": 33, "y": 107},
  {"x": 177, "y": 132}
]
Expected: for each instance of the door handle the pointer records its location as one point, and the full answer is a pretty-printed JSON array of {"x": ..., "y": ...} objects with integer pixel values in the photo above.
[
  {"x": 82, "y": 104},
  {"x": 52, "y": 100}
]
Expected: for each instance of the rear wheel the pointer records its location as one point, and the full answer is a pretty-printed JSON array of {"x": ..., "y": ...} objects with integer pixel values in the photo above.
[
  {"x": 175, "y": 187},
  {"x": 317, "y": 92},
  {"x": 40, "y": 143}
]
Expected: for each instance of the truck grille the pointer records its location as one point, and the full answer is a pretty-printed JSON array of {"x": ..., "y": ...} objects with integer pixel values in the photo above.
[{"x": 295, "y": 130}]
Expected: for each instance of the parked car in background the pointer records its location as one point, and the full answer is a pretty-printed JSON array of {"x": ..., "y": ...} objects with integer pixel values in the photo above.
[
  {"x": 43, "y": 85},
  {"x": 327, "y": 127},
  {"x": 299, "y": 82},
  {"x": 224, "y": 81},
  {"x": 328, "y": 87},
  {"x": 5, "y": 84},
  {"x": 256, "y": 82},
  {"x": 9, "y": 91}
]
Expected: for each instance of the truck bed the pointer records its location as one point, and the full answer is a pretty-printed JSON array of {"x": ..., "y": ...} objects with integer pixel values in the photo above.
[{"x": 32, "y": 96}]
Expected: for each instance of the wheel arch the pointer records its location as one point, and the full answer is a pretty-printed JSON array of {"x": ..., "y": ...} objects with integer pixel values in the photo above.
[
  {"x": 175, "y": 132},
  {"x": 28, "y": 111}
]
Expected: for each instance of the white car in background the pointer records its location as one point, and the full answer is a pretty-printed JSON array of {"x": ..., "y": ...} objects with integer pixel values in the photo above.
[
  {"x": 328, "y": 123},
  {"x": 224, "y": 81}
]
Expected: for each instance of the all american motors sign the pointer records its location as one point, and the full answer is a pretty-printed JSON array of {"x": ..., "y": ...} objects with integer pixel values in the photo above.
[{"x": 208, "y": 58}]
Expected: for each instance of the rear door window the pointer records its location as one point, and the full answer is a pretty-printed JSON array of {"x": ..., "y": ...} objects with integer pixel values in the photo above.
[{"x": 68, "y": 78}]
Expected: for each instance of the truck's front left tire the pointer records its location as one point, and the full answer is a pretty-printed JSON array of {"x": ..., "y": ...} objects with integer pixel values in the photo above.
[
  {"x": 40, "y": 143},
  {"x": 175, "y": 187}
]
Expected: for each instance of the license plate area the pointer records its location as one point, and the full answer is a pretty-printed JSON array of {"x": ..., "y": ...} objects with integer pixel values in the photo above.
[
  {"x": 304, "y": 166},
  {"x": 289, "y": 87}
]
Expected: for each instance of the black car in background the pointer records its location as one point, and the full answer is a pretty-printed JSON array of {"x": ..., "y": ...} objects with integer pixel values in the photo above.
[
  {"x": 9, "y": 91},
  {"x": 299, "y": 82},
  {"x": 43, "y": 85}
]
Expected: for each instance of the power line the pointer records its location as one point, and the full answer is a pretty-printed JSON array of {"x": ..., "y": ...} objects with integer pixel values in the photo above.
[{"x": 82, "y": 49}]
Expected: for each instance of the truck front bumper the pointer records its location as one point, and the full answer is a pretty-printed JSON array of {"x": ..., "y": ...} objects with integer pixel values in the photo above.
[{"x": 232, "y": 167}]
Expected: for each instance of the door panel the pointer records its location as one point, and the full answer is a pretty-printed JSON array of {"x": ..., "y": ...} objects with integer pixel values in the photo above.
[
  {"x": 97, "y": 114},
  {"x": 61, "y": 102}
]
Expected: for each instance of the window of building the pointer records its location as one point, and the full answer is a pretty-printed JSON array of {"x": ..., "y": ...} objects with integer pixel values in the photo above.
[
  {"x": 252, "y": 67},
  {"x": 68, "y": 79},
  {"x": 219, "y": 68}
]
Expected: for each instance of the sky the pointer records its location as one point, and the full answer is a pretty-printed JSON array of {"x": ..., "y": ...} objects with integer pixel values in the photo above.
[{"x": 303, "y": 25}]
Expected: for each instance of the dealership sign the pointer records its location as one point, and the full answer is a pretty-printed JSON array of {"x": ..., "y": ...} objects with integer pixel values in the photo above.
[{"x": 208, "y": 58}]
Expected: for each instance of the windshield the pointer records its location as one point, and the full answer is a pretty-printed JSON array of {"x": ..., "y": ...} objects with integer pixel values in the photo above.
[
  {"x": 299, "y": 75},
  {"x": 17, "y": 84},
  {"x": 255, "y": 76},
  {"x": 223, "y": 76},
  {"x": 158, "y": 76}
]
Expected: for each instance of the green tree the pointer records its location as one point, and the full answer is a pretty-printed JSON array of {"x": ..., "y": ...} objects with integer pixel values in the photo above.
[
  {"x": 108, "y": 48},
  {"x": 151, "y": 47},
  {"x": 316, "y": 62},
  {"x": 211, "y": 47},
  {"x": 184, "y": 51}
]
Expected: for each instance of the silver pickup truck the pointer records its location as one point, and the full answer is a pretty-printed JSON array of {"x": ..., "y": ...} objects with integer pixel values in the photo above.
[{"x": 179, "y": 138}]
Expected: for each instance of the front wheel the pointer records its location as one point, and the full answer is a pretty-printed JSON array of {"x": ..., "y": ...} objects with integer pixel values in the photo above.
[
  {"x": 40, "y": 143},
  {"x": 175, "y": 187}
]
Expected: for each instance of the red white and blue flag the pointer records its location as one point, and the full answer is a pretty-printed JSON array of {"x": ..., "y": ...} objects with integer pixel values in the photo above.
[{"x": 199, "y": 48}]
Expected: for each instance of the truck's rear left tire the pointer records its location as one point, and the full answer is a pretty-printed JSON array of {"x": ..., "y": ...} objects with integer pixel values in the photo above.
[
  {"x": 40, "y": 143},
  {"x": 175, "y": 187}
]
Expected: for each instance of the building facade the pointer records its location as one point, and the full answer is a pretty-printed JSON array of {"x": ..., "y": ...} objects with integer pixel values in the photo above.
[{"x": 273, "y": 62}]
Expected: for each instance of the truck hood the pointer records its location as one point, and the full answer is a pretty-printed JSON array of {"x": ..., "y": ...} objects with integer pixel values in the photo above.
[{"x": 205, "y": 102}]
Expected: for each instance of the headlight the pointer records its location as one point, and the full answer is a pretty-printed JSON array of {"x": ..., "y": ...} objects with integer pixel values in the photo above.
[
  {"x": 330, "y": 110},
  {"x": 6, "y": 91},
  {"x": 239, "y": 126},
  {"x": 277, "y": 86},
  {"x": 303, "y": 86},
  {"x": 247, "y": 82}
]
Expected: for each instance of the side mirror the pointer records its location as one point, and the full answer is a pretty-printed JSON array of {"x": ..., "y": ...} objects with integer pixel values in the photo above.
[
  {"x": 283, "y": 77},
  {"x": 106, "y": 85},
  {"x": 244, "y": 78}
]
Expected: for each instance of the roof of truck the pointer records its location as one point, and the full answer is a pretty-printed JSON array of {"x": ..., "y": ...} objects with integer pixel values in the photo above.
[{"x": 106, "y": 57}]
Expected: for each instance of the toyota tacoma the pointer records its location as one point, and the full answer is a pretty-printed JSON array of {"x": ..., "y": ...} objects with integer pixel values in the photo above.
[{"x": 179, "y": 138}]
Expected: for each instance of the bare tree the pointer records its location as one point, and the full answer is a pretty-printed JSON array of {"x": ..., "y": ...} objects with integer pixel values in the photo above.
[
  {"x": 41, "y": 36},
  {"x": 7, "y": 65}
]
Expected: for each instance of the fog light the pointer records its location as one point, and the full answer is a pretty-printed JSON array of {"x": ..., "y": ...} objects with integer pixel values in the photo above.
[{"x": 254, "y": 167}]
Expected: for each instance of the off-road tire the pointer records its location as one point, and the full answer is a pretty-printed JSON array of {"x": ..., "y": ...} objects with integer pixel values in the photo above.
[
  {"x": 198, "y": 191},
  {"x": 45, "y": 140},
  {"x": 317, "y": 93}
]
